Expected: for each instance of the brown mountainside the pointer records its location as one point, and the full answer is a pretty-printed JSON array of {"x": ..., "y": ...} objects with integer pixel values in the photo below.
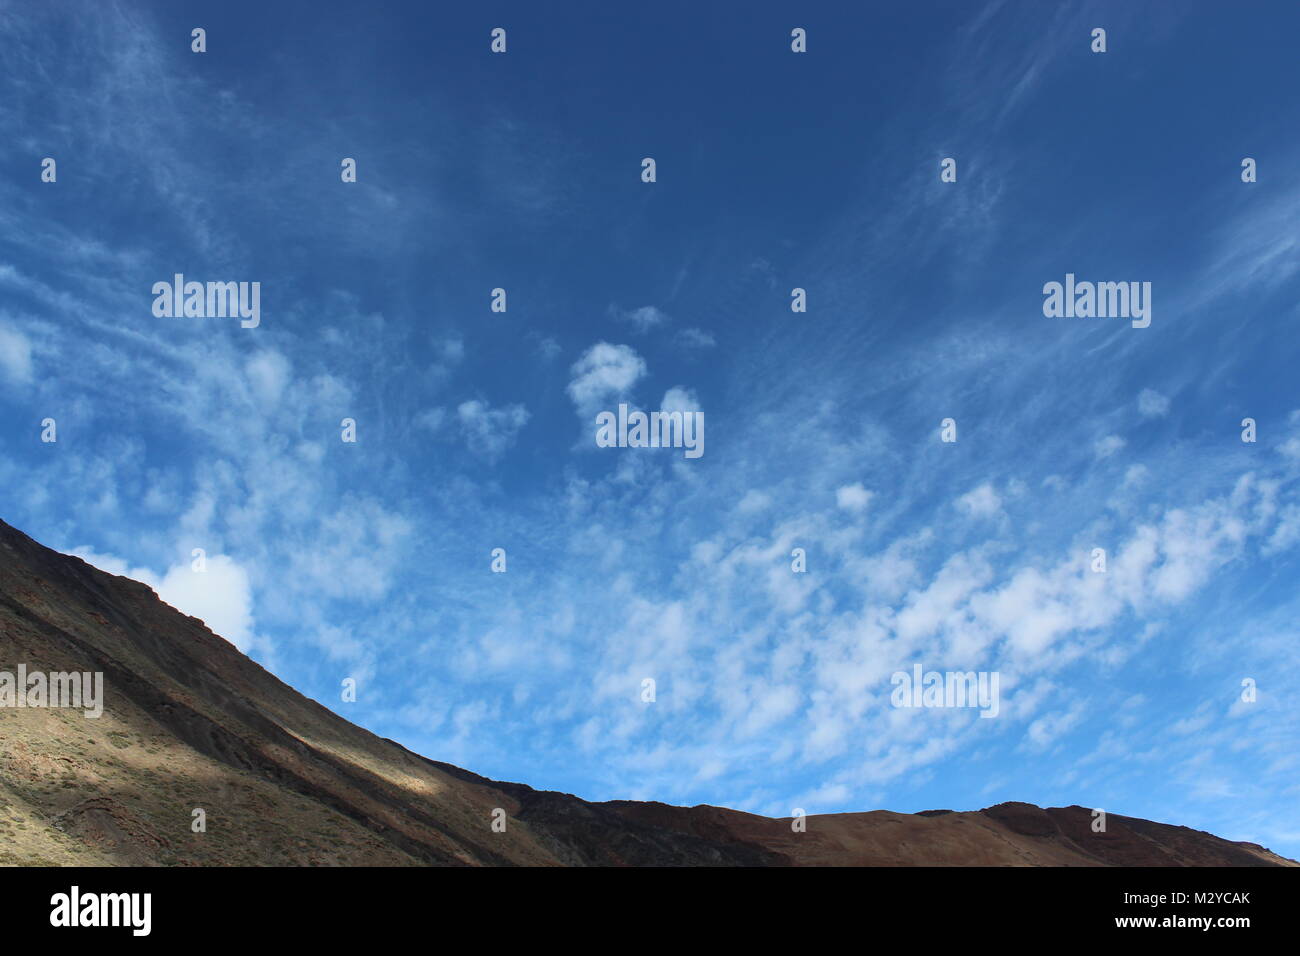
[{"x": 190, "y": 722}]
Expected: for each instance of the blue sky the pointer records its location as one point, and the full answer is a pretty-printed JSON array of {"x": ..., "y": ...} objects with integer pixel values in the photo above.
[{"x": 775, "y": 170}]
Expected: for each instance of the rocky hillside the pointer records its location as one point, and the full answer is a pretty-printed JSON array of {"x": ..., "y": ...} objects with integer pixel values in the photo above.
[{"x": 191, "y": 723}]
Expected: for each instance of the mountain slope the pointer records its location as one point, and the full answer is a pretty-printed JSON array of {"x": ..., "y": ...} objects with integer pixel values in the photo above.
[{"x": 190, "y": 722}]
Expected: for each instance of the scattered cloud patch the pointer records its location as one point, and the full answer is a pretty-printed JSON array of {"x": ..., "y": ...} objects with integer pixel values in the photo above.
[
  {"x": 1151, "y": 404},
  {"x": 678, "y": 399},
  {"x": 644, "y": 319},
  {"x": 603, "y": 372},
  {"x": 696, "y": 339},
  {"x": 853, "y": 497},
  {"x": 15, "y": 356},
  {"x": 1106, "y": 447},
  {"x": 981, "y": 502},
  {"x": 488, "y": 431},
  {"x": 268, "y": 374}
]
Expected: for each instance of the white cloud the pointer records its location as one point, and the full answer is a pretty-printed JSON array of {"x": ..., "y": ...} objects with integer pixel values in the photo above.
[
  {"x": 268, "y": 374},
  {"x": 1151, "y": 404},
  {"x": 354, "y": 552},
  {"x": 678, "y": 399},
  {"x": 15, "y": 356},
  {"x": 220, "y": 596},
  {"x": 643, "y": 319},
  {"x": 1105, "y": 447},
  {"x": 451, "y": 350},
  {"x": 853, "y": 497},
  {"x": 981, "y": 502},
  {"x": 1287, "y": 533},
  {"x": 312, "y": 452},
  {"x": 696, "y": 339},
  {"x": 548, "y": 348},
  {"x": 603, "y": 371},
  {"x": 490, "y": 431},
  {"x": 1136, "y": 475},
  {"x": 1051, "y": 726}
]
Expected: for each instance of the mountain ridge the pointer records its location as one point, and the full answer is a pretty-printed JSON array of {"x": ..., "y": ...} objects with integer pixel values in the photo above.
[{"x": 190, "y": 723}]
